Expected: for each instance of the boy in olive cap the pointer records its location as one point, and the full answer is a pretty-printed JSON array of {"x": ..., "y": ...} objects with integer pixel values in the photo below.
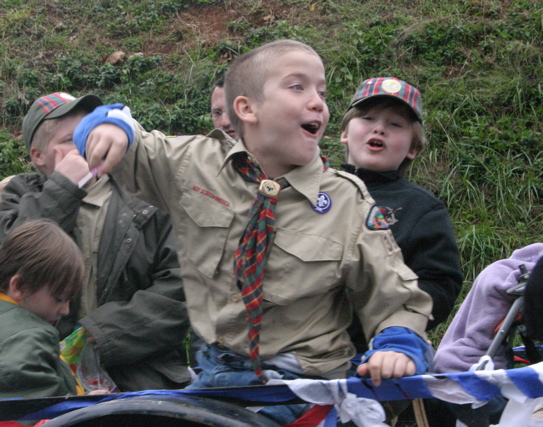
[{"x": 132, "y": 301}]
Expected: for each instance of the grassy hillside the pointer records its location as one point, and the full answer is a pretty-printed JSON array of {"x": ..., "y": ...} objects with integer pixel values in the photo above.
[{"x": 479, "y": 65}]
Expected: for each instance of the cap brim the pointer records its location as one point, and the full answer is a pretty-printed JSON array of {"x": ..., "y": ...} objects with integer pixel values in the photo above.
[
  {"x": 359, "y": 102},
  {"x": 90, "y": 101}
]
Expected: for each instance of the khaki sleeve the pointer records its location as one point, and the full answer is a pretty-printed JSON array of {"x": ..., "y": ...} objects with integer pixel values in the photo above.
[
  {"x": 153, "y": 166},
  {"x": 385, "y": 292}
]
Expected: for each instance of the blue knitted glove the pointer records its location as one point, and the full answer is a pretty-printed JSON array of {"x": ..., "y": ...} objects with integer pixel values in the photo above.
[
  {"x": 401, "y": 340},
  {"x": 116, "y": 114}
]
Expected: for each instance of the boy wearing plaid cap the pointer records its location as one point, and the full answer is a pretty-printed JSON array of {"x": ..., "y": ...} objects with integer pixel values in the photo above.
[
  {"x": 267, "y": 258},
  {"x": 383, "y": 132}
]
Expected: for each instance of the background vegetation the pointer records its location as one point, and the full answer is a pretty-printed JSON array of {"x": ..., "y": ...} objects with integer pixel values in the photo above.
[{"x": 478, "y": 63}]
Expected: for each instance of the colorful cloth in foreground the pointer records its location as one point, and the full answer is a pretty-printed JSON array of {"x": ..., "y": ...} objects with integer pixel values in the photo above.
[
  {"x": 71, "y": 346},
  {"x": 356, "y": 397},
  {"x": 84, "y": 362}
]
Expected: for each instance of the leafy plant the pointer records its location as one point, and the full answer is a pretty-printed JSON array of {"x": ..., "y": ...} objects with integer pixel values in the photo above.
[{"x": 13, "y": 156}]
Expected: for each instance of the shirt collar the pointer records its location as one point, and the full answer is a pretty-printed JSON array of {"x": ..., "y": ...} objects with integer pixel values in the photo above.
[
  {"x": 4, "y": 297},
  {"x": 239, "y": 147},
  {"x": 221, "y": 135},
  {"x": 304, "y": 179},
  {"x": 372, "y": 177},
  {"x": 98, "y": 193},
  {"x": 307, "y": 179}
]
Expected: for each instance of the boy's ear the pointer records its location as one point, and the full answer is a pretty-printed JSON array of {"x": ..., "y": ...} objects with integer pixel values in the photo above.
[
  {"x": 243, "y": 107},
  {"x": 37, "y": 157},
  {"x": 412, "y": 153},
  {"x": 14, "y": 289},
  {"x": 343, "y": 138}
]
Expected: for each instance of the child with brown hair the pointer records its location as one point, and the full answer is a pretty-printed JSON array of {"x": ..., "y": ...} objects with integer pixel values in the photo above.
[
  {"x": 384, "y": 133},
  {"x": 41, "y": 269}
]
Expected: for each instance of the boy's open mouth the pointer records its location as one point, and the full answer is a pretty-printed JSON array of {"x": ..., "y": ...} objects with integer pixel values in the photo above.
[
  {"x": 312, "y": 127},
  {"x": 374, "y": 143}
]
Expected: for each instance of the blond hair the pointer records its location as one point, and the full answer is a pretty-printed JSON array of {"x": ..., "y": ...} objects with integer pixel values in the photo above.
[
  {"x": 44, "y": 133},
  {"x": 47, "y": 130},
  {"x": 249, "y": 72}
]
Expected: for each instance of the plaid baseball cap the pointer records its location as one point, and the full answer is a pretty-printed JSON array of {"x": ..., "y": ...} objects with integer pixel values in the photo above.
[
  {"x": 53, "y": 106},
  {"x": 391, "y": 87}
]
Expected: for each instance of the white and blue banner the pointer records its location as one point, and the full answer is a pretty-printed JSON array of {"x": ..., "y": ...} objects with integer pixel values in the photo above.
[{"x": 354, "y": 398}]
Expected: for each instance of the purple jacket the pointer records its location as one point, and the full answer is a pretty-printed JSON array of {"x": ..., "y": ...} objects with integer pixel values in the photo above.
[{"x": 471, "y": 332}]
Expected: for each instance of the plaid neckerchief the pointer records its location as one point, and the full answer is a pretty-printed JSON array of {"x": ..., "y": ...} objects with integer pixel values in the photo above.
[{"x": 251, "y": 256}]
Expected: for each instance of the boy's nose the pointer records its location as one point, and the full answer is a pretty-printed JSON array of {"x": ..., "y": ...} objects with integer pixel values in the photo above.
[
  {"x": 64, "y": 308},
  {"x": 316, "y": 102},
  {"x": 379, "y": 127},
  {"x": 225, "y": 121}
]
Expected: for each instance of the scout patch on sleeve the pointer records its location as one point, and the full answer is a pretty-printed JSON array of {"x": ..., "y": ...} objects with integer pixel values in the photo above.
[
  {"x": 376, "y": 219},
  {"x": 389, "y": 243}
]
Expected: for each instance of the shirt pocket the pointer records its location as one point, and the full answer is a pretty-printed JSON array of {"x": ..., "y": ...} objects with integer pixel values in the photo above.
[
  {"x": 409, "y": 281},
  {"x": 301, "y": 265},
  {"x": 205, "y": 232}
]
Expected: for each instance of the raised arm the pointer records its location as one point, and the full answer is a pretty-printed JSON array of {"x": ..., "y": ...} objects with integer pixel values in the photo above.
[{"x": 103, "y": 136}]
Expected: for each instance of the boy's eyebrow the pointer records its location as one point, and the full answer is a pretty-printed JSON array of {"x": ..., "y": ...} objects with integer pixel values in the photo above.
[
  {"x": 300, "y": 75},
  {"x": 63, "y": 135}
]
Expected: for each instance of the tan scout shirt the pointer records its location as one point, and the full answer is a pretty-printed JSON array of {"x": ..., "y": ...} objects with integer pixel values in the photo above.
[
  {"x": 314, "y": 258},
  {"x": 90, "y": 220}
]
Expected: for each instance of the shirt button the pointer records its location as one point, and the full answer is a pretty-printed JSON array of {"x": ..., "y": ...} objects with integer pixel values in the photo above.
[
  {"x": 220, "y": 340},
  {"x": 234, "y": 298}
]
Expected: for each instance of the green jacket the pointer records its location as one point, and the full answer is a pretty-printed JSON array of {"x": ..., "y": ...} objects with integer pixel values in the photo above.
[
  {"x": 30, "y": 364},
  {"x": 141, "y": 321}
]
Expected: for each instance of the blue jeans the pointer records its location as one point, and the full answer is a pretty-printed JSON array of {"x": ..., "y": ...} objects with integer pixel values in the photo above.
[{"x": 224, "y": 368}]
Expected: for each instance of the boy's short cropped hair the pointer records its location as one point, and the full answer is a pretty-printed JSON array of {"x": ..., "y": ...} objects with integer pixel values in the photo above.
[
  {"x": 249, "y": 72},
  {"x": 52, "y": 106},
  {"x": 384, "y": 93},
  {"x": 42, "y": 254}
]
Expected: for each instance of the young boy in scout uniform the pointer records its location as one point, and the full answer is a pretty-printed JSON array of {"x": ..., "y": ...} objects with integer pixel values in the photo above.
[{"x": 272, "y": 237}]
